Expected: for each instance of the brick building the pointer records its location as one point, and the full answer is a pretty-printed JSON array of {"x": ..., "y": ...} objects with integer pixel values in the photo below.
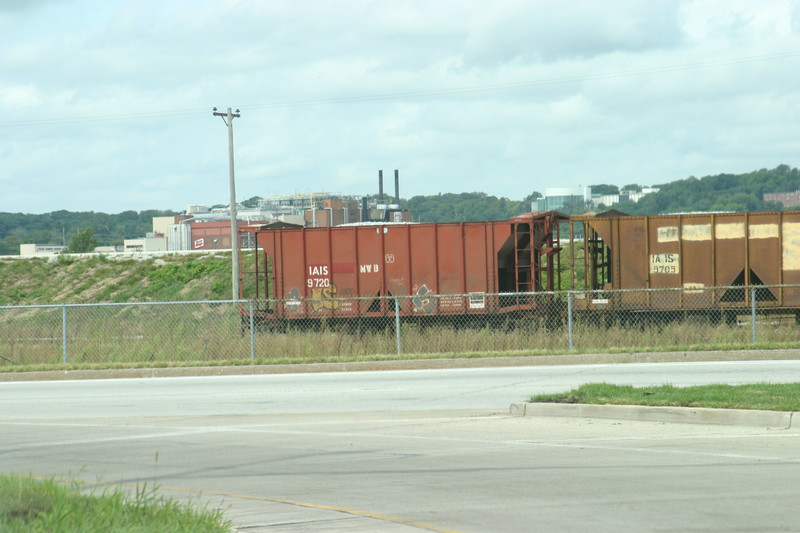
[{"x": 786, "y": 199}]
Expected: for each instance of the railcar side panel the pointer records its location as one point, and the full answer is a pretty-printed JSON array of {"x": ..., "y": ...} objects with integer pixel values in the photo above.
[
  {"x": 728, "y": 240},
  {"x": 696, "y": 262},
  {"x": 450, "y": 264},
  {"x": 392, "y": 252},
  {"x": 314, "y": 269},
  {"x": 763, "y": 254},
  {"x": 369, "y": 260},
  {"x": 342, "y": 268},
  {"x": 291, "y": 267},
  {"x": 790, "y": 256},
  {"x": 630, "y": 239},
  {"x": 423, "y": 283},
  {"x": 662, "y": 254},
  {"x": 478, "y": 263}
]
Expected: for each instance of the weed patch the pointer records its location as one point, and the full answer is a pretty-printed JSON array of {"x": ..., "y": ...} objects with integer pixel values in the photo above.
[{"x": 32, "y": 506}]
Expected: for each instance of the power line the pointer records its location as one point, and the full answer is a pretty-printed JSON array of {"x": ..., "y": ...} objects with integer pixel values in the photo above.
[
  {"x": 413, "y": 95},
  {"x": 105, "y": 118}
]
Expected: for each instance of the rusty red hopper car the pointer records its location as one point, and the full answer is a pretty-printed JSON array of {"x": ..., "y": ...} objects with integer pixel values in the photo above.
[{"x": 348, "y": 271}]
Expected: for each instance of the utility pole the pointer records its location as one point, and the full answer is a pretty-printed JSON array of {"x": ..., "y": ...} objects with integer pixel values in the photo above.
[{"x": 234, "y": 226}]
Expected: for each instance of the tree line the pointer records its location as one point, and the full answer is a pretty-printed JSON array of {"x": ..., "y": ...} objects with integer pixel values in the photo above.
[
  {"x": 717, "y": 193},
  {"x": 721, "y": 192},
  {"x": 466, "y": 207},
  {"x": 60, "y": 227}
]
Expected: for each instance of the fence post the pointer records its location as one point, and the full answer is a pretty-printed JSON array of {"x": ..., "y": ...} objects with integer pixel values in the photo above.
[
  {"x": 397, "y": 325},
  {"x": 252, "y": 334},
  {"x": 569, "y": 319},
  {"x": 753, "y": 311},
  {"x": 64, "y": 331}
]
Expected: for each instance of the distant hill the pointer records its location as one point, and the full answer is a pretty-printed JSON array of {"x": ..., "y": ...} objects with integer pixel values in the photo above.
[{"x": 722, "y": 192}]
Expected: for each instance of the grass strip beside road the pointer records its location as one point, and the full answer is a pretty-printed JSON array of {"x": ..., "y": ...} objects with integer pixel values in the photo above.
[
  {"x": 32, "y": 506},
  {"x": 762, "y": 396}
]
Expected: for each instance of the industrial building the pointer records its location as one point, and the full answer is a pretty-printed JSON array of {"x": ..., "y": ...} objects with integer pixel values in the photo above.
[
  {"x": 565, "y": 199},
  {"x": 203, "y": 228}
]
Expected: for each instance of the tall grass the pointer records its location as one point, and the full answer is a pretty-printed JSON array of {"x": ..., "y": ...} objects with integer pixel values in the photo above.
[
  {"x": 31, "y": 506},
  {"x": 214, "y": 333}
]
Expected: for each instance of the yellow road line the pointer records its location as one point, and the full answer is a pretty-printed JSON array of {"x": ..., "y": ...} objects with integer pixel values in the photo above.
[
  {"x": 377, "y": 516},
  {"x": 355, "y": 512}
]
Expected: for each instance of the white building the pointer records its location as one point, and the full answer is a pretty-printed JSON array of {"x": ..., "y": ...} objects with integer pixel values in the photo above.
[
  {"x": 557, "y": 198},
  {"x": 32, "y": 250},
  {"x": 153, "y": 242},
  {"x": 624, "y": 195}
]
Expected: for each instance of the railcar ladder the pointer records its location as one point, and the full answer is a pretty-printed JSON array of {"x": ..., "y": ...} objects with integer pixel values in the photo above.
[
  {"x": 536, "y": 247},
  {"x": 598, "y": 258},
  {"x": 524, "y": 257}
]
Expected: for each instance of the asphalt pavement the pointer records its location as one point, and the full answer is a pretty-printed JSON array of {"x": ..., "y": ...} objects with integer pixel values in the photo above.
[{"x": 436, "y": 449}]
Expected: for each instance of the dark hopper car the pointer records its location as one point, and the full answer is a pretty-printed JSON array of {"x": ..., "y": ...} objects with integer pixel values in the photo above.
[{"x": 697, "y": 253}]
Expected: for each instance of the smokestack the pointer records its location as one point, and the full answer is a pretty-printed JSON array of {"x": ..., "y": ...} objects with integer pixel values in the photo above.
[
  {"x": 364, "y": 212},
  {"x": 397, "y": 187},
  {"x": 380, "y": 186}
]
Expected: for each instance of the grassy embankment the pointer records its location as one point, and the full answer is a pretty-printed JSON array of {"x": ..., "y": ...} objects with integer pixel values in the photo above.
[
  {"x": 31, "y": 506},
  {"x": 72, "y": 279}
]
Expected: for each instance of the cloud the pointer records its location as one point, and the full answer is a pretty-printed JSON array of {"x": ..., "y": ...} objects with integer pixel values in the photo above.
[
  {"x": 109, "y": 104},
  {"x": 551, "y": 32}
]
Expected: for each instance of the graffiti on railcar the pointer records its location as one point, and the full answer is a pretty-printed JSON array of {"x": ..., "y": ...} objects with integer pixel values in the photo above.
[
  {"x": 324, "y": 298},
  {"x": 424, "y": 300},
  {"x": 293, "y": 300}
]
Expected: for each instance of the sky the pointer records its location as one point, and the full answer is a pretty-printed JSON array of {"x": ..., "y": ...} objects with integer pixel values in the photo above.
[{"x": 106, "y": 105}]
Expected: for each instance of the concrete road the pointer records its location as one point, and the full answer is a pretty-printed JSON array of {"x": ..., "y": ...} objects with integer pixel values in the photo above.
[
  {"x": 399, "y": 390},
  {"x": 412, "y": 450}
]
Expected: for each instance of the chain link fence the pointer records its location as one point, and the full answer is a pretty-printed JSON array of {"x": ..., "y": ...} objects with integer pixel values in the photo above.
[{"x": 353, "y": 328}]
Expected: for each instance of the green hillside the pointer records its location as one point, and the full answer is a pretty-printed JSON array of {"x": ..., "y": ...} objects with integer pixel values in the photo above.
[
  {"x": 76, "y": 279},
  {"x": 722, "y": 192}
]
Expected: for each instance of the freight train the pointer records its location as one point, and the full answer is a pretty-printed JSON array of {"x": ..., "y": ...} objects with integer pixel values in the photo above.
[{"x": 512, "y": 268}]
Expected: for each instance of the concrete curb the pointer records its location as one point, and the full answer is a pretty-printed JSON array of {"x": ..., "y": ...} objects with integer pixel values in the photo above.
[
  {"x": 680, "y": 415},
  {"x": 406, "y": 364}
]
